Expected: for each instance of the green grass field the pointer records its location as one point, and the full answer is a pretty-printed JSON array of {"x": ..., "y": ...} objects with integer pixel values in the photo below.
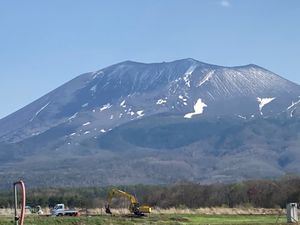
[{"x": 170, "y": 219}]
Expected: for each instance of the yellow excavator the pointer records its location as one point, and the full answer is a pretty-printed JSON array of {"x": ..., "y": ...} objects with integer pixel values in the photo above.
[{"x": 134, "y": 206}]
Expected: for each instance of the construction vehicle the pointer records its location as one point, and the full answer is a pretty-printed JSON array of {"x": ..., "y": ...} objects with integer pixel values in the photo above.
[
  {"x": 134, "y": 206},
  {"x": 35, "y": 210},
  {"x": 59, "y": 210}
]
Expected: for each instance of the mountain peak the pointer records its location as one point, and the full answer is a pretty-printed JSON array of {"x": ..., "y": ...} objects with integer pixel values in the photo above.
[
  {"x": 153, "y": 88},
  {"x": 178, "y": 61},
  {"x": 186, "y": 61}
]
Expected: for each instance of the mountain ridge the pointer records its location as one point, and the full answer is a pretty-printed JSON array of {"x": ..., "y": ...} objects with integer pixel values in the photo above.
[
  {"x": 113, "y": 105},
  {"x": 175, "y": 74}
]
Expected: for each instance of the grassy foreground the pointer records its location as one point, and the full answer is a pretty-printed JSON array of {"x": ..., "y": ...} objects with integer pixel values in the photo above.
[{"x": 175, "y": 219}]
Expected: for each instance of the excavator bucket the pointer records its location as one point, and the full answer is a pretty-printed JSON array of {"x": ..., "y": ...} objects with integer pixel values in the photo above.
[
  {"x": 107, "y": 209},
  {"x": 138, "y": 213}
]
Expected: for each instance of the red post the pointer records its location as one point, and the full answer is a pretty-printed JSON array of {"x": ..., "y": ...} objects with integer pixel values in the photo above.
[{"x": 19, "y": 220}]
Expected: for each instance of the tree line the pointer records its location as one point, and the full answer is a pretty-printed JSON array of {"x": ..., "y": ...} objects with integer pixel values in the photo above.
[{"x": 256, "y": 193}]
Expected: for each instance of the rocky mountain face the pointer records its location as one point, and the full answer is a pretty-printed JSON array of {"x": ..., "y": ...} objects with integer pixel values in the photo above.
[{"x": 155, "y": 123}]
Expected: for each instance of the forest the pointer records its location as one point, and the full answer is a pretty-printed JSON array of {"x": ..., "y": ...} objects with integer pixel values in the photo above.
[{"x": 256, "y": 193}]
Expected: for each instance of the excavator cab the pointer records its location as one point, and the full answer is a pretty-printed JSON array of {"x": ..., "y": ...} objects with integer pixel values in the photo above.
[{"x": 135, "y": 208}]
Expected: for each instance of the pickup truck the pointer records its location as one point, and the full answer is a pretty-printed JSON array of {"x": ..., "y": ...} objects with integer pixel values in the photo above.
[{"x": 59, "y": 210}]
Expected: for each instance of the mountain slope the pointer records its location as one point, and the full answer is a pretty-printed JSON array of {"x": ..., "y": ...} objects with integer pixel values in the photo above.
[
  {"x": 84, "y": 120},
  {"x": 130, "y": 90}
]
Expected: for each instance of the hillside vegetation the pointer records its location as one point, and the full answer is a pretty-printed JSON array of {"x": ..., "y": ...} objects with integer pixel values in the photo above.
[{"x": 163, "y": 151}]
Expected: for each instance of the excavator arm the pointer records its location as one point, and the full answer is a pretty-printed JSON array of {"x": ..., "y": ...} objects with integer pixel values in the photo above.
[
  {"x": 134, "y": 206},
  {"x": 121, "y": 194}
]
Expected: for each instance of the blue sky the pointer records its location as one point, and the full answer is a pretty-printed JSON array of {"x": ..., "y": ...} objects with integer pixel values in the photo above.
[{"x": 46, "y": 43}]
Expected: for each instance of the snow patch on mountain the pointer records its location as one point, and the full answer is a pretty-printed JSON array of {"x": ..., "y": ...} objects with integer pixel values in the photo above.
[
  {"x": 293, "y": 104},
  {"x": 263, "y": 102},
  {"x": 292, "y": 112},
  {"x": 198, "y": 109},
  {"x": 106, "y": 106},
  {"x": 85, "y": 124},
  {"x": 123, "y": 104},
  {"x": 161, "y": 101},
  {"x": 35, "y": 134},
  {"x": 73, "y": 116},
  {"x": 39, "y": 111},
  {"x": 140, "y": 113},
  {"x": 187, "y": 75},
  {"x": 94, "y": 88},
  {"x": 96, "y": 74},
  {"x": 206, "y": 78},
  {"x": 242, "y": 117},
  {"x": 182, "y": 98}
]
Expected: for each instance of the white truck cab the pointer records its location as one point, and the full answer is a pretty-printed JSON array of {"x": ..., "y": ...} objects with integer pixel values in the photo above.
[{"x": 59, "y": 210}]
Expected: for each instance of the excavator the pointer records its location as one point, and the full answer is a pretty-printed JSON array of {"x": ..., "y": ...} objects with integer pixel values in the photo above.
[{"x": 134, "y": 206}]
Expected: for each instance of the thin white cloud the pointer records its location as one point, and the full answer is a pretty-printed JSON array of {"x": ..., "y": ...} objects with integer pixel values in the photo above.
[{"x": 225, "y": 3}]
